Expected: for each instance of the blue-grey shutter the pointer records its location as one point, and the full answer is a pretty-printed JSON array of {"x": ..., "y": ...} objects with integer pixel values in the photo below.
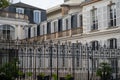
[
  {"x": 79, "y": 20},
  {"x": 56, "y": 27},
  {"x": 64, "y": 25},
  {"x": 41, "y": 30},
  {"x": 105, "y": 17},
  {"x": 45, "y": 28},
  {"x": 69, "y": 22},
  {"x": 88, "y": 21},
  {"x": 118, "y": 13},
  {"x": 52, "y": 27},
  {"x": 99, "y": 18}
]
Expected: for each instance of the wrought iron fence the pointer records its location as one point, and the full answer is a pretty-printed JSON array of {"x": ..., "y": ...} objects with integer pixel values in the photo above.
[{"x": 61, "y": 59}]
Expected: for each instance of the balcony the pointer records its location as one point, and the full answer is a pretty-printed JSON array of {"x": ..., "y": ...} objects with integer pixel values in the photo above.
[
  {"x": 13, "y": 15},
  {"x": 51, "y": 36},
  {"x": 64, "y": 33},
  {"x": 76, "y": 31}
]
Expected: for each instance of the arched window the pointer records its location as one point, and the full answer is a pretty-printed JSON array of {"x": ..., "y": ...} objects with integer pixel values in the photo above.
[
  {"x": 94, "y": 45},
  {"x": 7, "y": 32},
  {"x": 112, "y": 43}
]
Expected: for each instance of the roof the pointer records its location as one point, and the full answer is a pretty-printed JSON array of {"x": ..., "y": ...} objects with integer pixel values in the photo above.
[
  {"x": 23, "y": 5},
  {"x": 55, "y": 8}
]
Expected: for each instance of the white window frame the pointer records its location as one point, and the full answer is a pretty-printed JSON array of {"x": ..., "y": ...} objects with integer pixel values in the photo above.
[
  {"x": 69, "y": 22},
  {"x": 54, "y": 26},
  {"x": 35, "y": 18},
  {"x": 20, "y": 9},
  {"x": 79, "y": 21}
]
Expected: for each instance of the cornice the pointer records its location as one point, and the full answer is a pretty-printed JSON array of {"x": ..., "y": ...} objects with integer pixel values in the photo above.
[{"x": 88, "y": 2}]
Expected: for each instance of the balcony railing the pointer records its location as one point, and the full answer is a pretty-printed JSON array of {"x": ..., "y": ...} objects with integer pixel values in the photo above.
[
  {"x": 76, "y": 31},
  {"x": 13, "y": 15},
  {"x": 51, "y": 36},
  {"x": 57, "y": 34},
  {"x": 64, "y": 33}
]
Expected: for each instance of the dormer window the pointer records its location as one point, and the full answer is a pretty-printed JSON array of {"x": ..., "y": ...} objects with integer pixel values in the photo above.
[
  {"x": 20, "y": 10},
  {"x": 37, "y": 18}
]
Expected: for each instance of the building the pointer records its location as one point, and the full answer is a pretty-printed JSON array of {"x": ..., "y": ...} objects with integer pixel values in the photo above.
[
  {"x": 34, "y": 17},
  {"x": 17, "y": 21},
  {"x": 95, "y": 22}
]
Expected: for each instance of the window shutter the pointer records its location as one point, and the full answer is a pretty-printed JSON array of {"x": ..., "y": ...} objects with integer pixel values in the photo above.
[
  {"x": 118, "y": 43},
  {"x": 105, "y": 16},
  {"x": 52, "y": 27},
  {"x": 45, "y": 28},
  {"x": 69, "y": 22},
  {"x": 41, "y": 30},
  {"x": 32, "y": 32},
  {"x": 56, "y": 27},
  {"x": 118, "y": 13},
  {"x": 64, "y": 25},
  {"x": 88, "y": 21},
  {"x": 99, "y": 18},
  {"x": 79, "y": 20}
]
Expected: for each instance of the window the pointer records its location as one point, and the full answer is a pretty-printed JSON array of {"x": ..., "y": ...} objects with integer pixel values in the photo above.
[
  {"x": 37, "y": 18},
  {"x": 74, "y": 21},
  {"x": 80, "y": 21},
  {"x": 94, "y": 19},
  {"x": 112, "y": 10},
  {"x": 112, "y": 43},
  {"x": 55, "y": 26},
  {"x": 20, "y": 10},
  {"x": 34, "y": 31},
  {"x": 94, "y": 45},
  {"x": 59, "y": 25},
  {"x": 48, "y": 27},
  {"x": 66, "y": 24},
  {"x": 7, "y": 32}
]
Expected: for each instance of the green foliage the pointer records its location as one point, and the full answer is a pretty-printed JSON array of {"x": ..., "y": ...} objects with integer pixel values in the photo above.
[
  {"x": 68, "y": 76},
  {"x": 29, "y": 74},
  {"x": 20, "y": 73},
  {"x": 41, "y": 75},
  {"x": 54, "y": 76},
  {"x": 4, "y": 3},
  {"x": 10, "y": 69},
  {"x": 104, "y": 71}
]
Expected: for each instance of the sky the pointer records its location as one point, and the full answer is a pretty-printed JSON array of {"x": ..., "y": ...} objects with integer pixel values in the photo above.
[{"x": 44, "y": 4}]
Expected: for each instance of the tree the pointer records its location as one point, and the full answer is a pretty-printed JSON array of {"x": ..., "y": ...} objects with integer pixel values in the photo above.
[
  {"x": 10, "y": 70},
  {"x": 104, "y": 71},
  {"x": 4, "y": 3}
]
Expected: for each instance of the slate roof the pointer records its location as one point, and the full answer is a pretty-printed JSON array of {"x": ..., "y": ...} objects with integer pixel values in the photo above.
[{"x": 23, "y": 5}]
